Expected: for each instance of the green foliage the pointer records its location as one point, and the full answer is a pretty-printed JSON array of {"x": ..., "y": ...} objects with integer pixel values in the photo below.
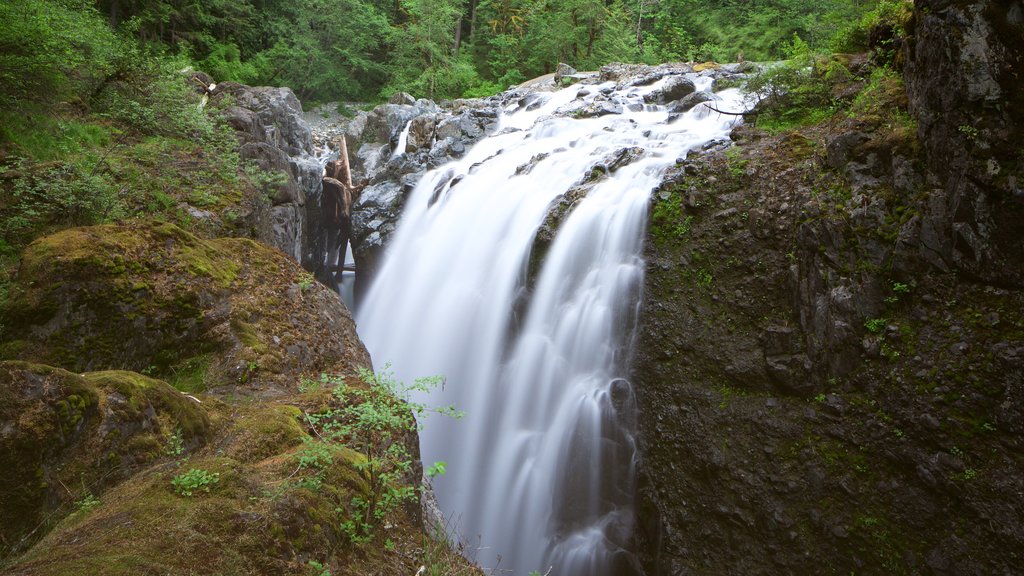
[
  {"x": 51, "y": 49},
  {"x": 175, "y": 445},
  {"x": 65, "y": 194},
  {"x": 423, "y": 61},
  {"x": 318, "y": 569},
  {"x": 87, "y": 503},
  {"x": 668, "y": 219},
  {"x": 793, "y": 93},
  {"x": 373, "y": 421},
  {"x": 853, "y": 35},
  {"x": 196, "y": 479},
  {"x": 875, "y": 325}
]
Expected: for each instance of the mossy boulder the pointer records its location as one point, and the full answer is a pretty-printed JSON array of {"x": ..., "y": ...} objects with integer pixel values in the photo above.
[
  {"x": 255, "y": 507},
  {"x": 152, "y": 297},
  {"x": 65, "y": 437}
]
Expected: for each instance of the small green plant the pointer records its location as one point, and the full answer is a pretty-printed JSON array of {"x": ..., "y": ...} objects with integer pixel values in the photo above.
[
  {"x": 196, "y": 479},
  {"x": 436, "y": 469},
  {"x": 899, "y": 290},
  {"x": 265, "y": 181},
  {"x": 87, "y": 503},
  {"x": 970, "y": 474},
  {"x": 667, "y": 217},
  {"x": 969, "y": 131},
  {"x": 308, "y": 385},
  {"x": 875, "y": 325},
  {"x": 704, "y": 278},
  {"x": 372, "y": 421},
  {"x": 175, "y": 444},
  {"x": 306, "y": 281},
  {"x": 820, "y": 398},
  {"x": 318, "y": 569}
]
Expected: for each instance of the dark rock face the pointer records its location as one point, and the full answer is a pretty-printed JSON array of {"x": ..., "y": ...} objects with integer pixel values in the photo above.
[
  {"x": 807, "y": 407},
  {"x": 273, "y": 134},
  {"x": 963, "y": 70},
  {"x": 829, "y": 375}
]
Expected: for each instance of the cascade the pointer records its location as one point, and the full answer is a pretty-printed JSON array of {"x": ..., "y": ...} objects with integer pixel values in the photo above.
[
  {"x": 541, "y": 468},
  {"x": 403, "y": 140}
]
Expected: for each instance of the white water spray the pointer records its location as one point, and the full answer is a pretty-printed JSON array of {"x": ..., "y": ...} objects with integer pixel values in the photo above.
[{"x": 541, "y": 469}]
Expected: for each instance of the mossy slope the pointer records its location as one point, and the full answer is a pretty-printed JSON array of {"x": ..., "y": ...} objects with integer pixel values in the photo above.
[
  {"x": 152, "y": 297},
  {"x": 66, "y": 437}
]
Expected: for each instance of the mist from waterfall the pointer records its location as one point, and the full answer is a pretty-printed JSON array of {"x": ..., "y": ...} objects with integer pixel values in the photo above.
[{"x": 541, "y": 469}]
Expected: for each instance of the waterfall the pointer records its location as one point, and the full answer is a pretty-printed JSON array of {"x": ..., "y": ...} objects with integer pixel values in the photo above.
[
  {"x": 541, "y": 469},
  {"x": 403, "y": 141}
]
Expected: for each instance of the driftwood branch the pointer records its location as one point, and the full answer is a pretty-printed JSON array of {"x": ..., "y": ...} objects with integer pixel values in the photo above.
[{"x": 749, "y": 113}]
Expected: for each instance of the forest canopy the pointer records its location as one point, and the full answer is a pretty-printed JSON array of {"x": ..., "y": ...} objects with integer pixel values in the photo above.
[{"x": 366, "y": 49}]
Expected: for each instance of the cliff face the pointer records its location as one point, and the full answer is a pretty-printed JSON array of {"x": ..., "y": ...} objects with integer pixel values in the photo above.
[
  {"x": 965, "y": 81},
  {"x": 830, "y": 360}
]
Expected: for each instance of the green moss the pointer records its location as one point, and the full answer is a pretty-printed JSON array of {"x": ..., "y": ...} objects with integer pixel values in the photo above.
[
  {"x": 142, "y": 391},
  {"x": 51, "y": 412},
  {"x": 264, "y": 431},
  {"x": 191, "y": 375},
  {"x": 248, "y": 335}
]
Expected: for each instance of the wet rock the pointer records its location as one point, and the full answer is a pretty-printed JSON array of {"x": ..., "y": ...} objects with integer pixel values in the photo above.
[
  {"x": 675, "y": 88},
  {"x": 274, "y": 161},
  {"x": 421, "y": 133},
  {"x": 969, "y": 107},
  {"x": 689, "y": 101},
  {"x": 565, "y": 75},
  {"x": 402, "y": 98},
  {"x": 279, "y": 111}
]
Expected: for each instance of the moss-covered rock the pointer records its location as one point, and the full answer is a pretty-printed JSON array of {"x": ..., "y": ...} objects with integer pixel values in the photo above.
[
  {"x": 152, "y": 297},
  {"x": 65, "y": 438},
  {"x": 265, "y": 496},
  {"x": 818, "y": 392}
]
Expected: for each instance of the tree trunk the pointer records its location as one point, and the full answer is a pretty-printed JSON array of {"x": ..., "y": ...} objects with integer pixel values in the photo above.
[
  {"x": 472, "y": 20},
  {"x": 458, "y": 37}
]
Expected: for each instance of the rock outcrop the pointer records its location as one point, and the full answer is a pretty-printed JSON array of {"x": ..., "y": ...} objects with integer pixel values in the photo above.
[
  {"x": 66, "y": 436},
  {"x": 274, "y": 136},
  {"x": 433, "y": 137},
  {"x": 153, "y": 297},
  {"x": 963, "y": 69},
  {"x": 830, "y": 361},
  {"x": 230, "y": 464}
]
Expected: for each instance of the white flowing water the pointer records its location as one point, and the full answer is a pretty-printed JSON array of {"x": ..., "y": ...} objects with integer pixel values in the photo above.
[
  {"x": 541, "y": 469},
  {"x": 403, "y": 141}
]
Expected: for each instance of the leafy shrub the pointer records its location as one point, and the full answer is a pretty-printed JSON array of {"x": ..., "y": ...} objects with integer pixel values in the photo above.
[
  {"x": 65, "y": 195},
  {"x": 374, "y": 422},
  {"x": 52, "y": 48},
  {"x": 194, "y": 480},
  {"x": 793, "y": 93}
]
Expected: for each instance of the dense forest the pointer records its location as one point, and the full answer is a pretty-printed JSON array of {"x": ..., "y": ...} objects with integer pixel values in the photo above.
[
  {"x": 362, "y": 49},
  {"x": 92, "y": 102}
]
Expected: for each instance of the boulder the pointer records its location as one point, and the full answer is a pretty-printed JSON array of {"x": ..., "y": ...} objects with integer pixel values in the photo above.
[
  {"x": 674, "y": 88},
  {"x": 277, "y": 108},
  {"x": 154, "y": 297},
  {"x": 66, "y": 437},
  {"x": 686, "y": 103}
]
